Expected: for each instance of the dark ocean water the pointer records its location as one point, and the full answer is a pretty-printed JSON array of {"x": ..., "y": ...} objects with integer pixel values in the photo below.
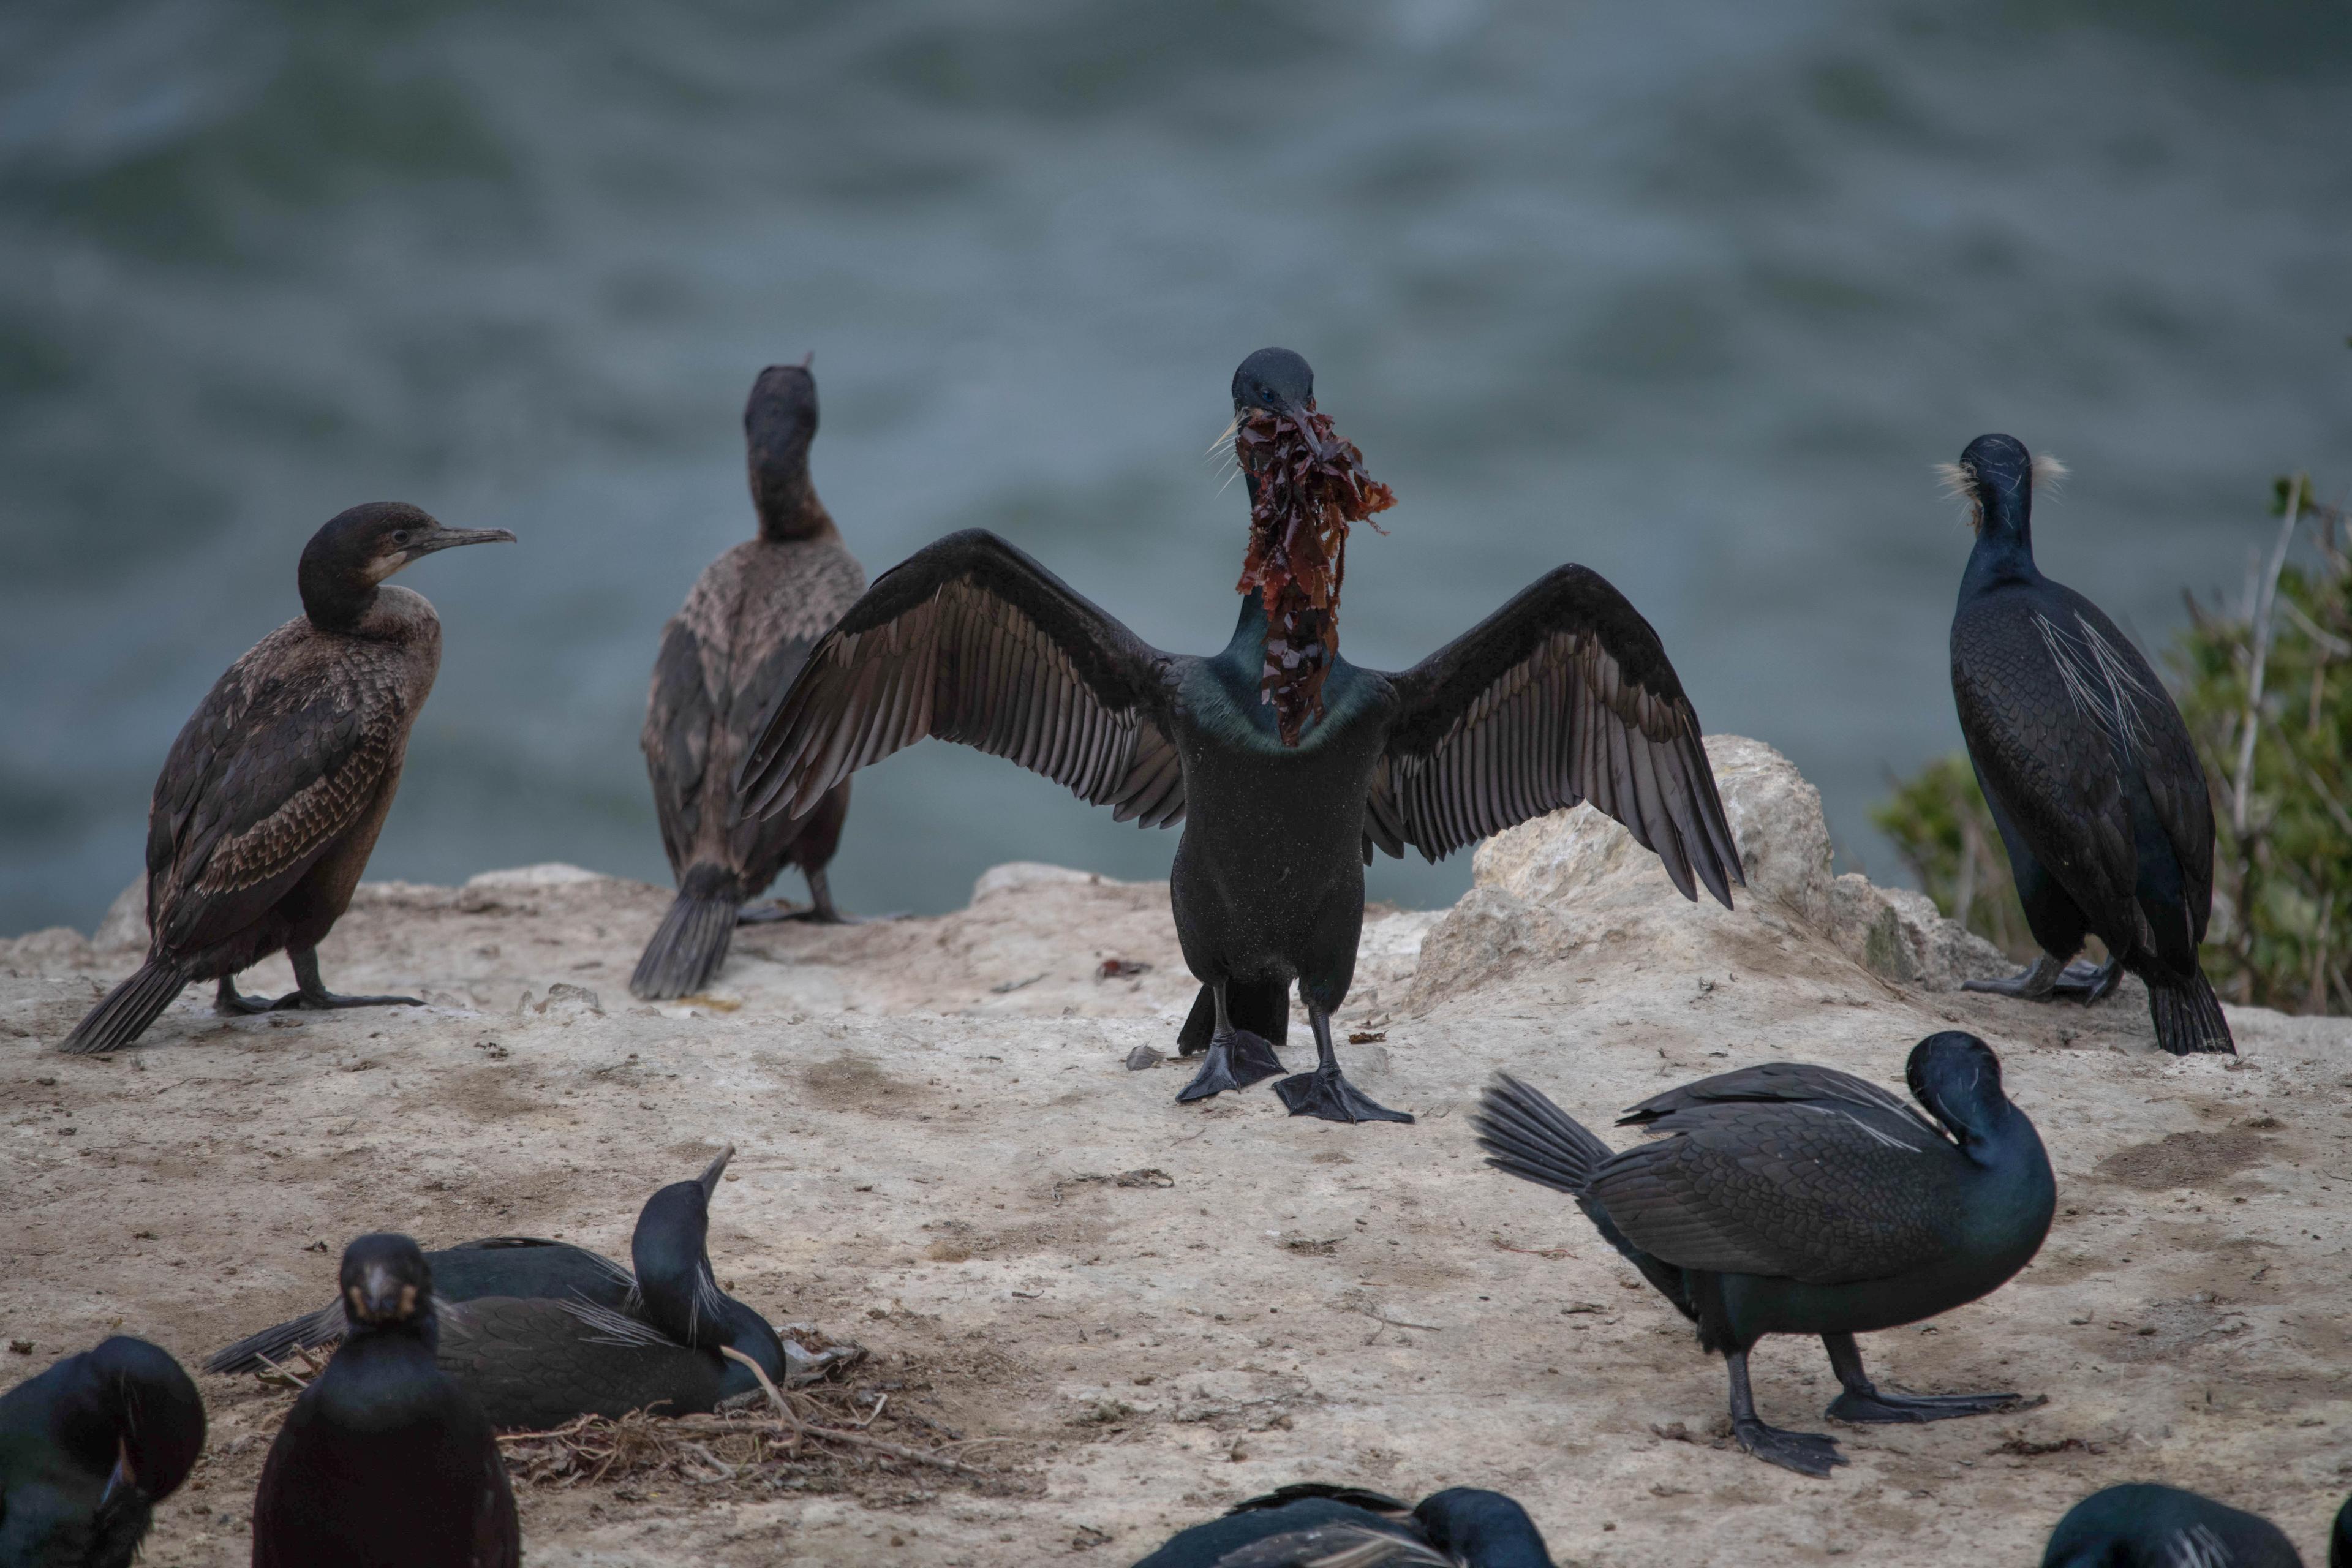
[{"x": 1692, "y": 291}]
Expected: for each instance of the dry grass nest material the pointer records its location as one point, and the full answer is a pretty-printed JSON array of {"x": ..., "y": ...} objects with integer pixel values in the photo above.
[{"x": 832, "y": 1437}]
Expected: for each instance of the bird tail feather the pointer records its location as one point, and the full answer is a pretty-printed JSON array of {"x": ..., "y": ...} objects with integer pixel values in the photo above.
[
  {"x": 2188, "y": 1016},
  {"x": 690, "y": 946},
  {"x": 1526, "y": 1135},
  {"x": 281, "y": 1340},
  {"x": 124, "y": 1012}
]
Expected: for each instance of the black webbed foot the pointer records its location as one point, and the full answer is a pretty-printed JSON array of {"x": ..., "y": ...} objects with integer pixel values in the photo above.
[
  {"x": 2085, "y": 982},
  {"x": 2037, "y": 983},
  {"x": 328, "y": 1001},
  {"x": 1235, "y": 1061},
  {"x": 767, "y": 913},
  {"x": 1325, "y": 1093},
  {"x": 228, "y": 999},
  {"x": 1876, "y": 1408},
  {"x": 1807, "y": 1453}
]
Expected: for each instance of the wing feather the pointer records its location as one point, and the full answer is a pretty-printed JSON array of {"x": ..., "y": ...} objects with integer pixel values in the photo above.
[
  {"x": 1563, "y": 695},
  {"x": 970, "y": 640}
]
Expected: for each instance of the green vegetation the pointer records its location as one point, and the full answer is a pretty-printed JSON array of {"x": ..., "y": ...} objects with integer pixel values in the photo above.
[{"x": 2267, "y": 691}]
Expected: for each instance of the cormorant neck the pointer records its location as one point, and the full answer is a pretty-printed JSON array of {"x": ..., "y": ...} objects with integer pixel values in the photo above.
[
  {"x": 1248, "y": 642},
  {"x": 425, "y": 1329},
  {"x": 2004, "y": 547},
  {"x": 787, "y": 504},
  {"x": 335, "y": 601}
]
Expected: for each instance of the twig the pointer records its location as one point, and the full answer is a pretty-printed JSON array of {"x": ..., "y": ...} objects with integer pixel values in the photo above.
[
  {"x": 783, "y": 1411},
  {"x": 285, "y": 1372},
  {"x": 2261, "y": 634}
]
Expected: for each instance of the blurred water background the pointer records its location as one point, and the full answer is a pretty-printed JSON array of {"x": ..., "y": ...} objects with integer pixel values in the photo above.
[{"x": 1692, "y": 291}]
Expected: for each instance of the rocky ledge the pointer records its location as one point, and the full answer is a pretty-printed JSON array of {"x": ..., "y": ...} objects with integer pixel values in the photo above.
[{"x": 1139, "y": 1312}]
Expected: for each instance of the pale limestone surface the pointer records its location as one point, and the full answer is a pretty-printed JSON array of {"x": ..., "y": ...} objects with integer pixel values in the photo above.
[{"x": 917, "y": 1103}]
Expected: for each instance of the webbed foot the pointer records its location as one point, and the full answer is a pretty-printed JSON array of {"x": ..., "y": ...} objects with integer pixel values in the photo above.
[
  {"x": 1325, "y": 1093},
  {"x": 1807, "y": 1453},
  {"x": 328, "y": 1001},
  {"x": 2035, "y": 984},
  {"x": 1876, "y": 1408},
  {"x": 2084, "y": 981},
  {"x": 1233, "y": 1061},
  {"x": 228, "y": 999}
]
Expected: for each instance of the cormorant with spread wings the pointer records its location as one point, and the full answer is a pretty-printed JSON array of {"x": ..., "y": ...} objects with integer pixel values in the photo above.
[{"x": 1288, "y": 766}]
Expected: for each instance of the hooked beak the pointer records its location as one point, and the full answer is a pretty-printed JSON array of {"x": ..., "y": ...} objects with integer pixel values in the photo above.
[
  {"x": 451, "y": 538},
  {"x": 380, "y": 1298},
  {"x": 1305, "y": 422},
  {"x": 122, "y": 1475},
  {"x": 708, "y": 1180}
]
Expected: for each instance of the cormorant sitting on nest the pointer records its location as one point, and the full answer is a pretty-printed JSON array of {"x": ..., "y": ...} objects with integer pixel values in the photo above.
[
  {"x": 2087, "y": 766},
  {"x": 2150, "y": 1526},
  {"x": 1287, "y": 763},
  {"x": 385, "y": 1461},
  {"x": 272, "y": 797},
  {"x": 1794, "y": 1199},
  {"x": 87, "y": 1448},
  {"x": 1302, "y": 1526},
  {"x": 745, "y": 629},
  {"x": 541, "y": 1331}
]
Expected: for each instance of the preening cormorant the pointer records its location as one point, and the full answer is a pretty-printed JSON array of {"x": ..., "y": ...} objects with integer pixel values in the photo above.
[
  {"x": 272, "y": 797},
  {"x": 385, "y": 1461},
  {"x": 87, "y": 1448},
  {"x": 743, "y": 634},
  {"x": 1288, "y": 764},
  {"x": 1795, "y": 1199},
  {"x": 2150, "y": 1526},
  {"x": 2087, "y": 766},
  {"x": 540, "y": 1331},
  {"x": 1309, "y": 1524}
]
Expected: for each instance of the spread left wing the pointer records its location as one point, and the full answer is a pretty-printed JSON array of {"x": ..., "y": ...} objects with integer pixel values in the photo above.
[{"x": 1563, "y": 695}]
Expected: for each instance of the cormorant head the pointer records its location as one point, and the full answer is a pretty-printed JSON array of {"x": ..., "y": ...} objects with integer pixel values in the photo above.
[
  {"x": 126, "y": 1417},
  {"x": 359, "y": 548},
  {"x": 158, "y": 1416},
  {"x": 386, "y": 1281},
  {"x": 1957, "y": 1077},
  {"x": 779, "y": 423},
  {"x": 669, "y": 1251},
  {"x": 1995, "y": 478},
  {"x": 1279, "y": 382},
  {"x": 1482, "y": 1528}
]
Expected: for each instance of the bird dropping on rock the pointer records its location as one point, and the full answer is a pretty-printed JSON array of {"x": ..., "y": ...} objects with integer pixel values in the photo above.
[{"x": 1300, "y": 506}]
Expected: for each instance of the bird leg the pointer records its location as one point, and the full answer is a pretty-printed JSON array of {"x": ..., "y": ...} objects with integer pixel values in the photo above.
[
  {"x": 821, "y": 910},
  {"x": 311, "y": 993},
  {"x": 1236, "y": 1059},
  {"x": 1807, "y": 1453},
  {"x": 1864, "y": 1404},
  {"x": 2034, "y": 984},
  {"x": 1324, "y": 1093}
]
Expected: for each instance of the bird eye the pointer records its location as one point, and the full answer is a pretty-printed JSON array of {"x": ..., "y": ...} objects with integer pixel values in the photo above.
[{"x": 400, "y": 536}]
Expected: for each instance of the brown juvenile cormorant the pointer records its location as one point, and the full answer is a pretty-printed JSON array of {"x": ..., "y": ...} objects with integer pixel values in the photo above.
[
  {"x": 87, "y": 1448},
  {"x": 272, "y": 797},
  {"x": 744, "y": 633},
  {"x": 2147, "y": 1526},
  {"x": 1347, "y": 1527},
  {"x": 2087, "y": 766},
  {"x": 1794, "y": 1199},
  {"x": 385, "y": 1461},
  {"x": 1288, "y": 764}
]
